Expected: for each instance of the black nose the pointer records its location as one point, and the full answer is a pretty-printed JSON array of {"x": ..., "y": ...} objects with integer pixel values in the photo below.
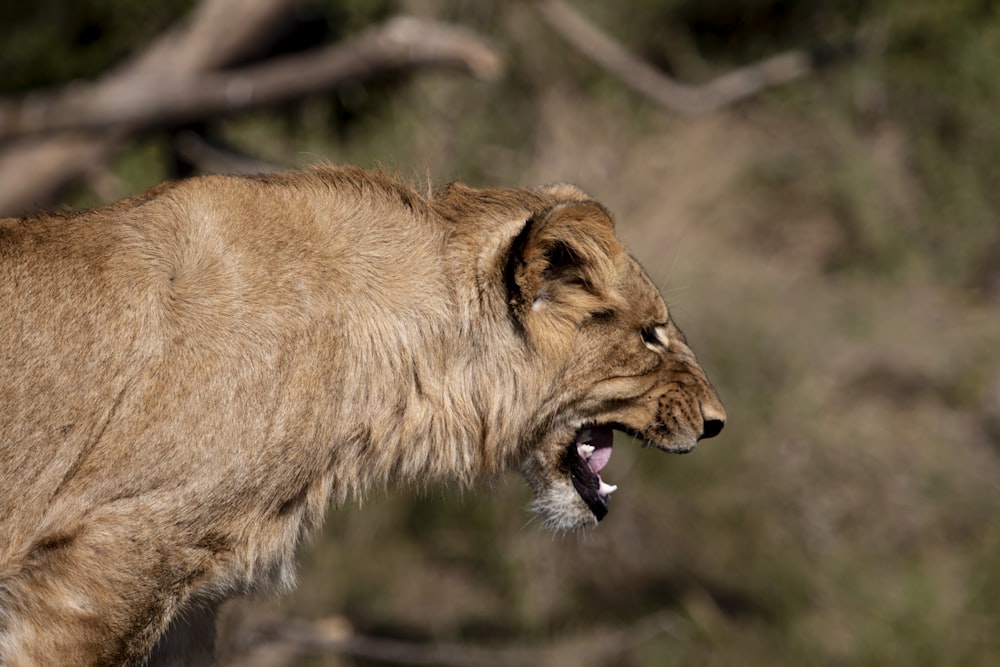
[{"x": 712, "y": 428}]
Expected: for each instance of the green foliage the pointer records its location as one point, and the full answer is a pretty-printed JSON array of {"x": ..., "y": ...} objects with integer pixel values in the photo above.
[
  {"x": 941, "y": 61},
  {"x": 925, "y": 68},
  {"x": 46, "y": 42}
]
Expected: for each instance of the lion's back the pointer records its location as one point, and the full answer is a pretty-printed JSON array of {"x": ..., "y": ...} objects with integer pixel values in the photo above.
[{"x": 179, "y": 311}]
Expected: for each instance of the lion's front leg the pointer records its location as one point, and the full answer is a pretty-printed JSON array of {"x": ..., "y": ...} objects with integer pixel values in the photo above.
[{"x": 99, "y": 594}]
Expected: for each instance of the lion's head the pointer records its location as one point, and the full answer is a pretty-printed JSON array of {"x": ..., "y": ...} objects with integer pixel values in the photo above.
[{"x": 617, "y": 361}]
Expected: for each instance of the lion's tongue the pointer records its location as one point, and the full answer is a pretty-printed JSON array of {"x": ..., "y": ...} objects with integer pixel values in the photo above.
[
  {"x": 600, "y": 458},
  {"x": 601, "y": 440}
]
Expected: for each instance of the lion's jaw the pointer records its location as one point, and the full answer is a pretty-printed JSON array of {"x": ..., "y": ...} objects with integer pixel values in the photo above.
[{"x": 565, "y": 470}]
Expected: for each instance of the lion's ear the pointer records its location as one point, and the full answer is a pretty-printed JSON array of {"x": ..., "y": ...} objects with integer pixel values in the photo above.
[{"x": 566, "y": 258}]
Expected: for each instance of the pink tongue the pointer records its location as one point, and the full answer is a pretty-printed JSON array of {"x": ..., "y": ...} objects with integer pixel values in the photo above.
[
  {"x": 599, "y": 459},
  {"x": 601, "y": 440}
]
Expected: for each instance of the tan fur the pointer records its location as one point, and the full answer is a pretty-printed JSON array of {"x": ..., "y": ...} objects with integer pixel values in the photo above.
[{"x": 188, "y": 378}]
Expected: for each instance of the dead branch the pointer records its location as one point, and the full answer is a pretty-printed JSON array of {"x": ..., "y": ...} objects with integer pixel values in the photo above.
[
  {"x": 399, "y": 44},
  {"x": 687, "y": 100},
  {"x": 279, "y": 642},
  {"x": 209, "y": 156},
  {"x": 178, "y": 79},
  {"x": 218, "y": 32}
]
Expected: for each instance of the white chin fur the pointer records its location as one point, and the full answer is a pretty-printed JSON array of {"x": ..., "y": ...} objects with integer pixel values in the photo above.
[{"x": 561, "y": 508}]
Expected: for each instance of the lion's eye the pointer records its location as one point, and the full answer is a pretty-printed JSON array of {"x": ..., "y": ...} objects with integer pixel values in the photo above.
[{"x": 651, "y": 337}]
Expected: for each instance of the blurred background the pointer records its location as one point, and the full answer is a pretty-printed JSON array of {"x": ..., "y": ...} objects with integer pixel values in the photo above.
[{"x": 815, "y": 185}]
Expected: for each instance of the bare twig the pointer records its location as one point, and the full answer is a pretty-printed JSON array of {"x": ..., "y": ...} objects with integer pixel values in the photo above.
[
  {"x": 400, "y": 43},
  {"x": 290, "y": 639},
  {"x": 209, "y": 156},
  {"x": 178, "y": 79},
  {"x": 681, "y": 98},
  {"x": 220, "y": 31}
]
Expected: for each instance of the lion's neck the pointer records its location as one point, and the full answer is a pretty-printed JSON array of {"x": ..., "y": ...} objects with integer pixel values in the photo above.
[{"x": 421, "y": 407}]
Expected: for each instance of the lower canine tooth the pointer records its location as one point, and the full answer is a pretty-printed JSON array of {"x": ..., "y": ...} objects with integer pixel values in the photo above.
[
  {"x": 586, "y": 451},
  {"x": 607, "y": 489}
]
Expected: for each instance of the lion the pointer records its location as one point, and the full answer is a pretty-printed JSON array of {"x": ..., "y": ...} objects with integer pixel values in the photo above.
[{"x": 190, "y": 377}]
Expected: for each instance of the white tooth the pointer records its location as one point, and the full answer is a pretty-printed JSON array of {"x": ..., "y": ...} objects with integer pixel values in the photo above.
[
  {"x": 607, "y": 489},
  {"x": 586, "y": 451}
]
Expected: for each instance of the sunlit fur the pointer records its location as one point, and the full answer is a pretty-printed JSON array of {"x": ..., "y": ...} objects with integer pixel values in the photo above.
[{"x": 188, "y": 378}]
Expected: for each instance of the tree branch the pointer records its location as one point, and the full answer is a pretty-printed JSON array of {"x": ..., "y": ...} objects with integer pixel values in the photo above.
[
  {"x": 642, "y": 77},
  {"x": 401, "y": 43},
  {"x": 214, "y": 156},
  {"x": 278, "y": 642},
  {"x": 32, "y": 170},
  {"x": 178, "y": 79}
]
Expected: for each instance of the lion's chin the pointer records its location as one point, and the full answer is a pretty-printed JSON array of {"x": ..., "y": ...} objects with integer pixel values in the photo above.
[
  {"x": 561, "y": 508},
  {"x": 573, "y": 495}
]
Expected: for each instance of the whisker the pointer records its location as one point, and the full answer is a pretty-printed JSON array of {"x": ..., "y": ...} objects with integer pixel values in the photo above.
[{"x": 673, "y": 262}]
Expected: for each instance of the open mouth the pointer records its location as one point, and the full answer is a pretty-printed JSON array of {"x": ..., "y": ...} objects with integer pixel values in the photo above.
[{"x": 586, "y": 456}]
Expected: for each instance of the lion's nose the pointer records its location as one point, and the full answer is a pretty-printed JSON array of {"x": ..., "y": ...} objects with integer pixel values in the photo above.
[
  {"x": 712, "y": 428},
  {"x": 713, "y": 422}
]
